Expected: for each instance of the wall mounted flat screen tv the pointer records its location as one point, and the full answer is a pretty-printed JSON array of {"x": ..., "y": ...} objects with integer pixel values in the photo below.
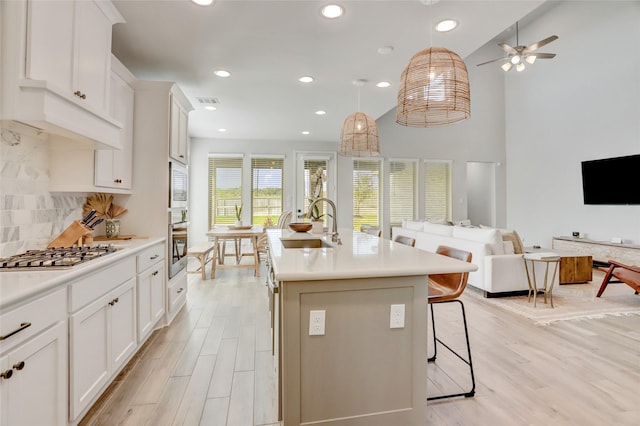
[{"x": 614, "y": 181}]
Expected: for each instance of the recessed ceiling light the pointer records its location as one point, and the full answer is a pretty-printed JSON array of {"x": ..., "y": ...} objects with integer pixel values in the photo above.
[
  {"x": 222, "y": 130},
  {"x": 332, "y": 11},
  {"x": 446, "y": 25},
  {"x": 321, "y": 112},
  {"x": 385, "y": 50},
  {"x": 306, "y": 79},
  {"x": 383, "y": 84},
  {"x": 222, "y": 73},
  {"x": 203, "y": 2},
  {"x": 306, "y": 132},
  {"x": 210, "y": 107}
]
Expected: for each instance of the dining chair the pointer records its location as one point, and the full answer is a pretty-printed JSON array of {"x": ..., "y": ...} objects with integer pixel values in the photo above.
[
  {"x": 284, "y": 219},
  {"x": 447, "y": 288},
  {"x": 402, "y": 239}
]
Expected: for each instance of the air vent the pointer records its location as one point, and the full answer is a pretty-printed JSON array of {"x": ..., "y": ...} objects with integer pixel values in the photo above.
[{"x": 208, "y": 101}]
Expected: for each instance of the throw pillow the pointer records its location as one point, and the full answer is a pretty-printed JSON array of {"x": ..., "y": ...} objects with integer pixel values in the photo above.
[{"x": 513, "y": 236}]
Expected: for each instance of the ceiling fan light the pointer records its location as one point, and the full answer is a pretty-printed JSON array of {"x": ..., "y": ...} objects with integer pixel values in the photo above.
[
  {"x": 515, "y": 59},
  {"x": 507, "y": 66},
  {"x": 530, "y": 59},
  {"x": 520, "y": 67},
  {"x": 359, "y": 136},
  {"x": 434, "y": 89}
]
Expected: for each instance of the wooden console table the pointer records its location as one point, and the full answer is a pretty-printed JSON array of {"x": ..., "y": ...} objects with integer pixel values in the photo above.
[{"x": 601, "y": 251}]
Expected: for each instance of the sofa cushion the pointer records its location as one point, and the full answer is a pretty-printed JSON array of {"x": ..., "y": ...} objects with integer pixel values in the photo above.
[
  {"x": 414, "y": 225},
  {"x": 433, "y": 228},
  {"x": 513, "y": 236},
  {"x": 488, "y": 236}
]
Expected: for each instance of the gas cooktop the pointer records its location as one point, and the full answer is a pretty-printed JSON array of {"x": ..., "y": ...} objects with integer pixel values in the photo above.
[{"x": 54, "y": 258}]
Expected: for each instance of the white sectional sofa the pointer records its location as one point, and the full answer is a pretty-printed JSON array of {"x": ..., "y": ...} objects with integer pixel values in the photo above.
[{"x": 497, "y": 253}]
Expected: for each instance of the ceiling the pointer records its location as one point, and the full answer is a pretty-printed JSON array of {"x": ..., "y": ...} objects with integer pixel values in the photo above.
[{"x": 267, "y": 45}]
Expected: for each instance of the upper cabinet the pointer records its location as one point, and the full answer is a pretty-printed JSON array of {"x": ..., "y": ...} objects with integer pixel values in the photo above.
[
  {"x": 113, "y": 167},
  {"x": 179, "y": 138},
  {"x": 56, "y": 68}
]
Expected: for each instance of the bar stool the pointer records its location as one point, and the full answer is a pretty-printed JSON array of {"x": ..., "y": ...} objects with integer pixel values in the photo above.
[{"x": 447, "y": 288}]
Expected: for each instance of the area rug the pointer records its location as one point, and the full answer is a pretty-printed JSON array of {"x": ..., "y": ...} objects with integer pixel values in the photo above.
[{"x": 571, "y": 302}]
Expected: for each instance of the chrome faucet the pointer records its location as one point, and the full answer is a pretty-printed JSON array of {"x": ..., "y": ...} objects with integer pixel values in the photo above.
[{"x": 334, "y": 229}]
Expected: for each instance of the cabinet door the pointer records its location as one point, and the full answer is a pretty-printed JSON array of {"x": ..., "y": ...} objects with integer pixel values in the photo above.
[
  {"x": 92, "y": 54},
  {"x": 40, "y": 377},
  {"x": 174, "y": 141},
  {"x": 89, "y": 354},
  {"x": 113, "y": 168},
  {"x": 157, "y": 292},
  {"x": 184, "y": 135},
  {"x": 49, "y": 43},
  {"x": 122, "y": 323}
]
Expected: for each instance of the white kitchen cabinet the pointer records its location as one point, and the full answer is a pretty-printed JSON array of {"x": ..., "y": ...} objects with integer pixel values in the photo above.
[
  {"x": 179, "y": 139},
  {"x": 176, "y": 294},
  {"x": 150, "y": 289},
  {"x": 102, "y": 332},
  {"x": 56, "y": 64},
  {"x": 113, "y": 167},
  {"x": 33, "y": 362}
]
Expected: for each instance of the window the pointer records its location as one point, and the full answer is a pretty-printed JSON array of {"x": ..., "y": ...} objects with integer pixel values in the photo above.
[
  {"x": 266, "y": 190},
  {"x": 366, "y": 193},
  {"x": 225, "y": 188},
  {"x": 437, "y": 190},
  {"x": 403, "y": 191}
]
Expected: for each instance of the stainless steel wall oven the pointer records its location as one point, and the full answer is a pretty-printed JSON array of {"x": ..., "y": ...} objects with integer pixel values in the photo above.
[{"x": 178, "y": 233}]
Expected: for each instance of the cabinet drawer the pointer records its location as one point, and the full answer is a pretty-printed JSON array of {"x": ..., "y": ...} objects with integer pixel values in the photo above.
[
  {"x": 149, "y": 256},
  {"x": 87, "y": 289},
  {"x": 177, "y": 295},
  {"x": 41, "y": 314}
]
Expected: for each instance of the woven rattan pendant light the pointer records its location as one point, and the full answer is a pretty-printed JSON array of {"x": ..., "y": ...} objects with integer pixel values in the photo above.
[
  {"x": 434, "y": 89},
  {"x": 359, "y": 134}
]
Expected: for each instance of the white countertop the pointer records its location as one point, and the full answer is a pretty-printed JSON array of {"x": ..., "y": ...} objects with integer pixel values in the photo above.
[
  {"x": 359, "y": 256},
  {"x": 19, "y": 286}
]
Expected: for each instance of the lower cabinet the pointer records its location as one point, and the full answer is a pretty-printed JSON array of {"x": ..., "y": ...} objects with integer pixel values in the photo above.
[
  {"x": 150, "y": 299},
  {"x": 103, "y": 336},
  {"x": 33, "y": 386},
  {"x": 176, "y": 294}
]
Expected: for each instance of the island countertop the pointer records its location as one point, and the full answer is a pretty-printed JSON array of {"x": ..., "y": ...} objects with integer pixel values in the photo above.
[{"x": 360, "y": 256}]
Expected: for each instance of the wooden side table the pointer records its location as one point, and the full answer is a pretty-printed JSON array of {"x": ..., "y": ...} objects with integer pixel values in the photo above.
[
  {"x": 548, "y": 259},
  {"x": 574, "y": 267}
]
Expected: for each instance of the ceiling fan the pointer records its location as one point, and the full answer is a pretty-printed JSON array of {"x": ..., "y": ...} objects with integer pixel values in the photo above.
[{"x": 519, "y": 54}]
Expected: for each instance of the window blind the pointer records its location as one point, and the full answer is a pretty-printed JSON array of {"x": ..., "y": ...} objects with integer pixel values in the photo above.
[
  {"x": 437, "y": 190},
  {"x": 266, "y": 190},
  {"x": 402, "y": 191},
  {"x": 225, "y": 188},
  {"x": 366, "y": 193}
]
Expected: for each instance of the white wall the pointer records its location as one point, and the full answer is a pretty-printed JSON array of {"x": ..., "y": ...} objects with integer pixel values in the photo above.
[{"x": 581, "y": 105}]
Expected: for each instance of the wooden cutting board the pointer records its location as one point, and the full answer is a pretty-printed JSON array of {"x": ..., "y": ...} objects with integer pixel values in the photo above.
[{"x": 120, "y": 237}]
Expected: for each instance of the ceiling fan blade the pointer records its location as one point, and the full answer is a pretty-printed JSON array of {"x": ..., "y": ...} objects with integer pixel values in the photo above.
[
  {"x": 508, "y": 48},
  {"x": 493, "y": 60},
  {"x": 541, "y": 43},
  {"x": 543, "y": 55}
]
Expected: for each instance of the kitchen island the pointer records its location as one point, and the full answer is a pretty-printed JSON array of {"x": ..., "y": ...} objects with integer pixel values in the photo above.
[{"x": 351, "y": 328}]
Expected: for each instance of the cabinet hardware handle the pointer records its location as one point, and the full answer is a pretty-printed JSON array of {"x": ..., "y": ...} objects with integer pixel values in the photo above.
[
  {"x": 77, "y": 93},
  {"x": 181, "y": 156},
  {"x": 116, "y": 300},
  {"x": 180, "y": 291},
  {"x": 155, "y": 273},
  {"x": 6, "y": 374},
  {"x": 22, "y": 327},
  {"x": 83, "y": 96},
  {"x": 155, "y": 256},
  {"x": 19, "y": 365},
  {"x": 112, "y": 303},
  {"x": 117, "y": 181}
]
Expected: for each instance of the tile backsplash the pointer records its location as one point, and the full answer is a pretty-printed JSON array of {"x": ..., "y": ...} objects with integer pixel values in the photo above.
[{"x": 30, "y": 216}]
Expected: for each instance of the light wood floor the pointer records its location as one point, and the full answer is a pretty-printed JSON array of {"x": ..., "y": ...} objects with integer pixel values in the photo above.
[{"x": 213, "y": 366}]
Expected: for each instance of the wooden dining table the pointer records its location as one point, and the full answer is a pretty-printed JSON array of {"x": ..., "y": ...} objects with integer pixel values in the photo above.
[{"x": 222, "y": 234}]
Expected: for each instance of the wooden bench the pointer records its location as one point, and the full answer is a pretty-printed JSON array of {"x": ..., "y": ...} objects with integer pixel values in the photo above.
[{"x": 204, "y": 253}]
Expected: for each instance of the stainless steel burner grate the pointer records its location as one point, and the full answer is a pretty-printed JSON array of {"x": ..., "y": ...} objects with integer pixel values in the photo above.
[{"x": 55, "y": 258}]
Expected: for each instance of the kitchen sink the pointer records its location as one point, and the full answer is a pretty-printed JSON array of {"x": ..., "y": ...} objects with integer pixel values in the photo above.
[{"x": 305, "y": 243}]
